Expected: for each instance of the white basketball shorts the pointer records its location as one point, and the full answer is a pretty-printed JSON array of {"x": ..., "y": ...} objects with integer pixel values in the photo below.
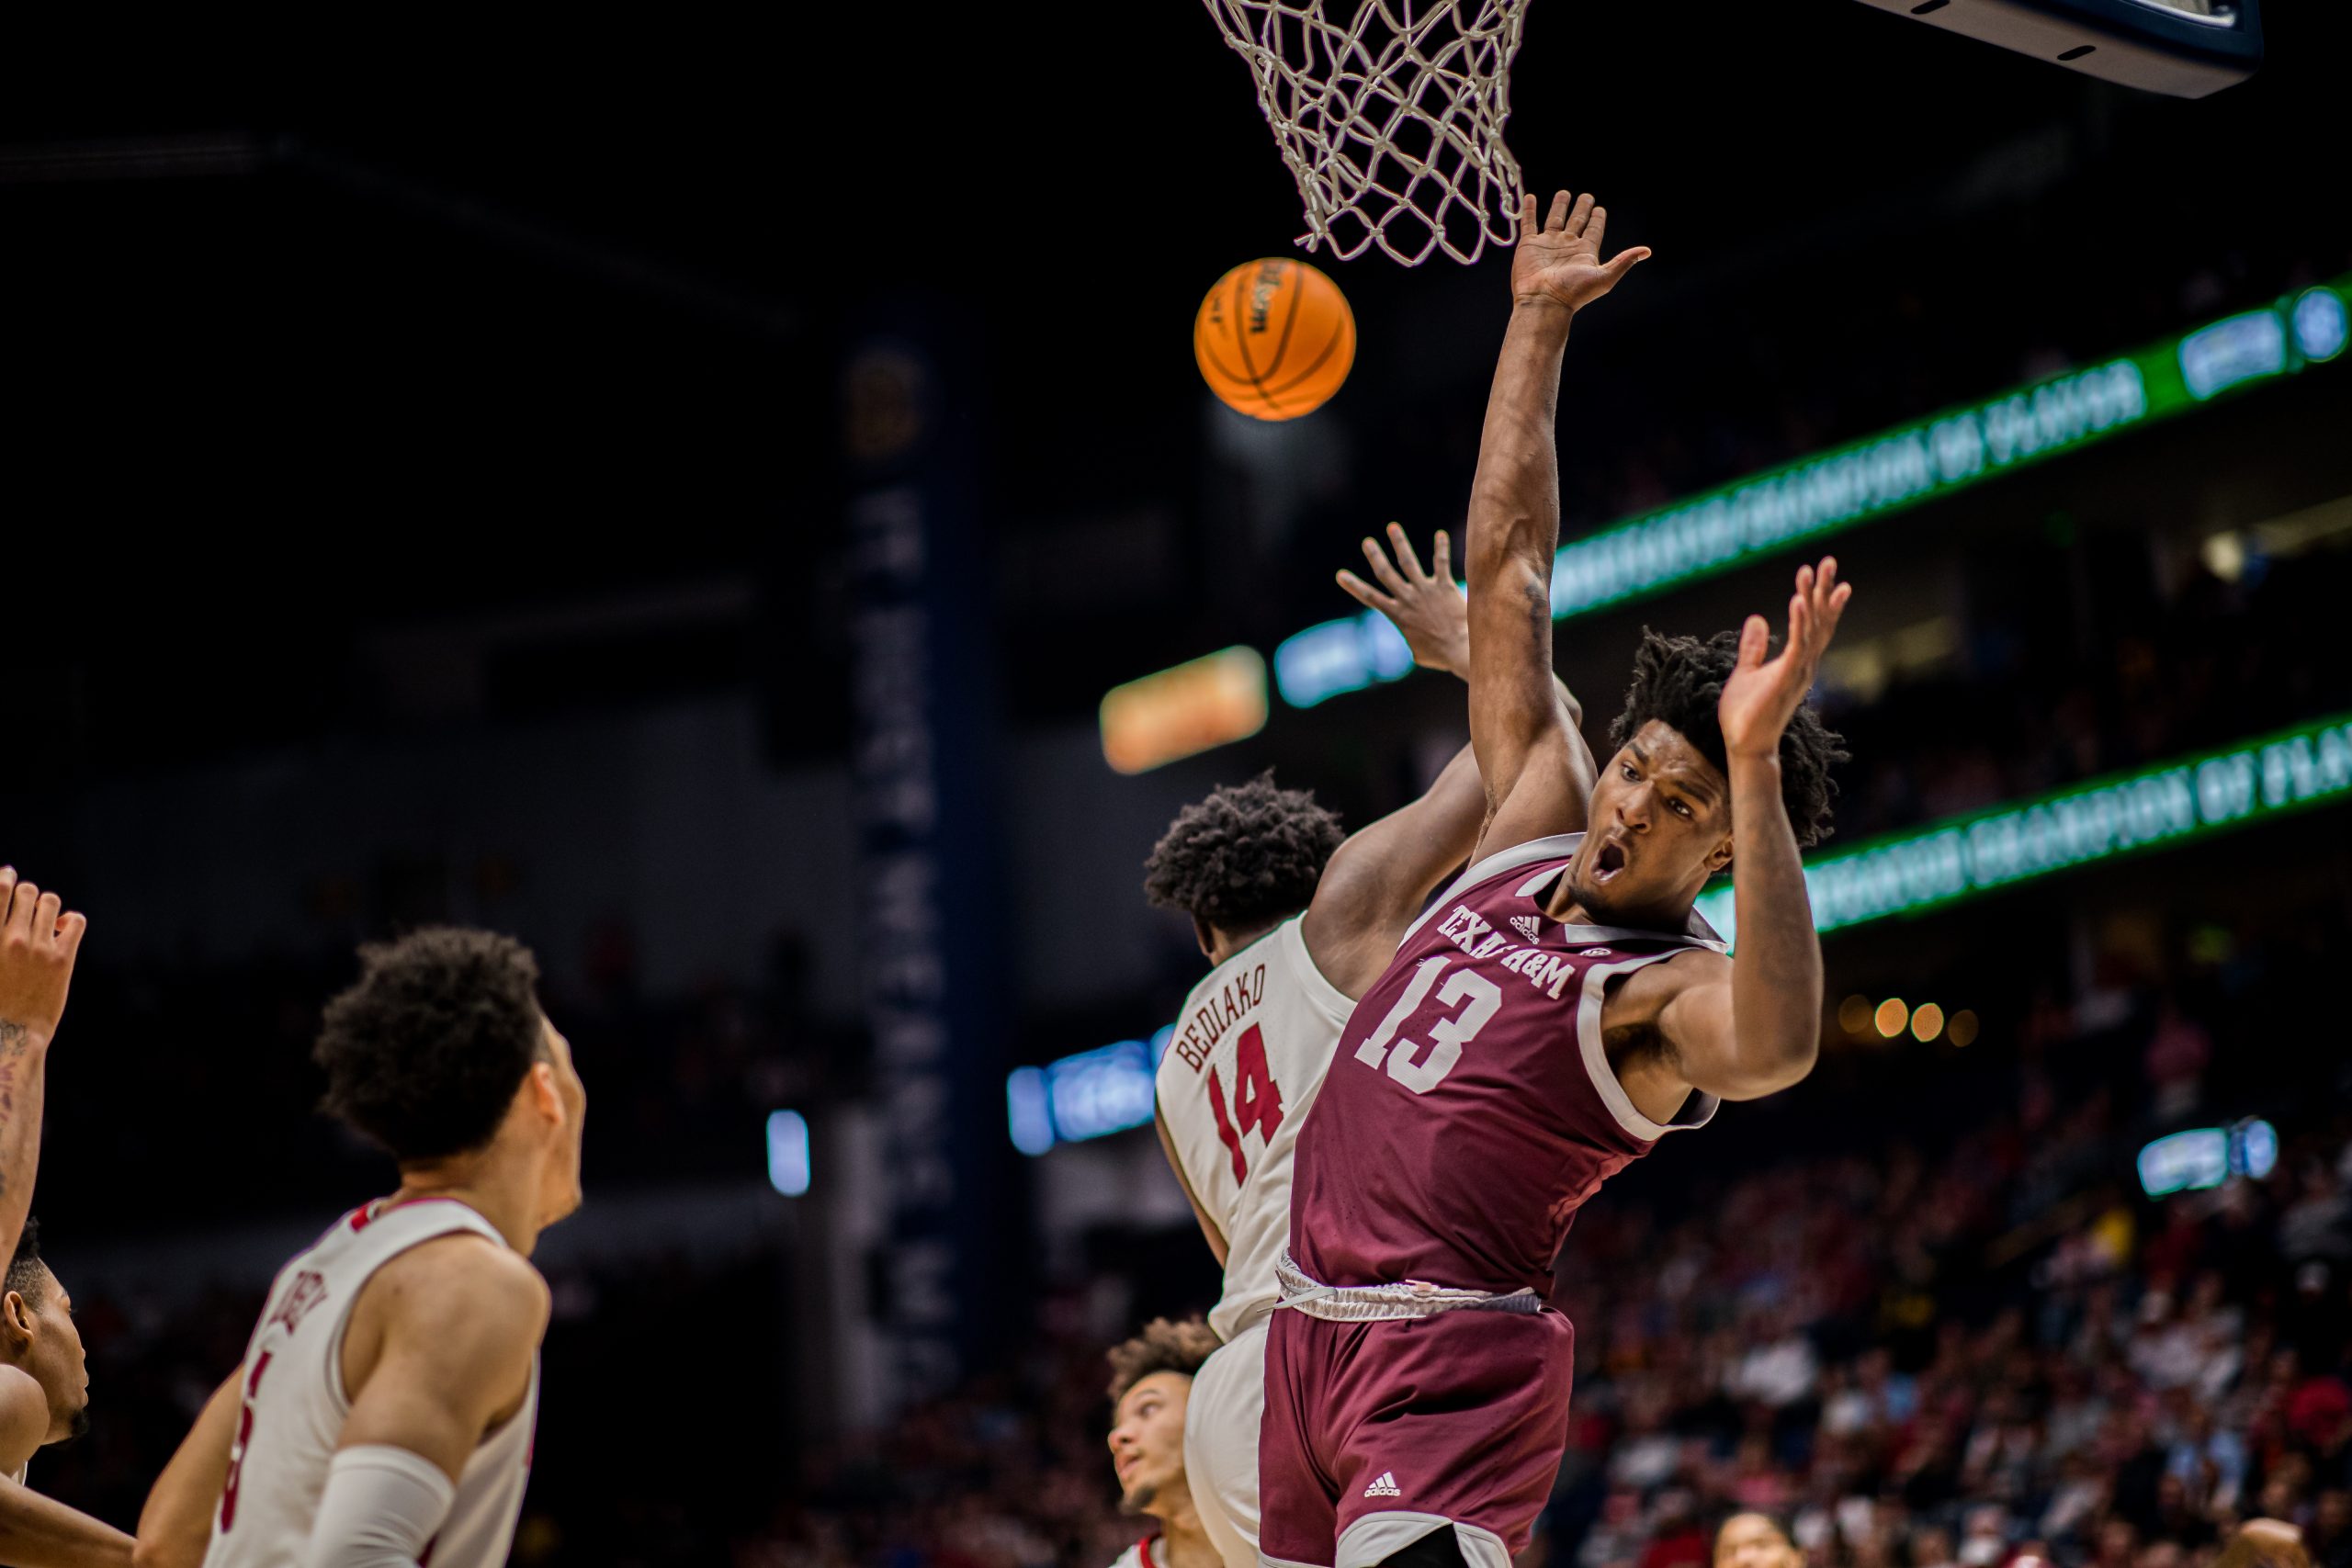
[{"x": 1221, "y": 1419}]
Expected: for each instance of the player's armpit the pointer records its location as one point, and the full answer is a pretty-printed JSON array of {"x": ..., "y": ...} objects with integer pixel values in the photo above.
[
  {"x": 176, "y": 1527},
  {"x": 1218, "y": 1247},
  {"x": 453, "y": 1338},
  {"x": 1552, "y": 795}
]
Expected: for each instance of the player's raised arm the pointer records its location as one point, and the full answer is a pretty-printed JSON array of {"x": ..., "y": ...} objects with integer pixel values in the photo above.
[
  {"x": 452, "y": 1352},
  {"x": 176, "y": 1527},
  {"x": 1756, "y": 1028},
  {"x": 1377, "y": 880},
  {"x": 39, "y": 939},
  {"x": 1514, "y": 529}
]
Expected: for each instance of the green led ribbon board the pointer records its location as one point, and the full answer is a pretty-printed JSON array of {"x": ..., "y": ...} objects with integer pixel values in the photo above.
[
  {"x": 1970, "y": 856},
  {"x": 1867, "y": 480}
]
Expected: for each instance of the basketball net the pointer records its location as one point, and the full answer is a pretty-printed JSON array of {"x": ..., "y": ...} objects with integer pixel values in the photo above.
[{"x": 1390, "y": 115}]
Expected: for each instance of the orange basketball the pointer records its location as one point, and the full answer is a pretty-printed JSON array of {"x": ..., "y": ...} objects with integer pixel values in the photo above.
[{"x": 1274, "y": 338}]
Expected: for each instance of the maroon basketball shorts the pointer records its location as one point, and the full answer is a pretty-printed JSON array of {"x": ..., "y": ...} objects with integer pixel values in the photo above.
[{"x": 1377, "y": 1433}]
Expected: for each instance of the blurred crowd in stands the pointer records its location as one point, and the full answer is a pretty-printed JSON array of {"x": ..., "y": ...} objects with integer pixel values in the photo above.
[
  {"x": 1923, "y": 1342},
  {"x": 1946, "y": 1332},
  {"x": 2214, "y": 662}
]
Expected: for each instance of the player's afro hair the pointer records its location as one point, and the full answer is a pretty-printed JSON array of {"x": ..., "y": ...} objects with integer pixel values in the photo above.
[
  {"x": 1679, "y": 680},
  {"x": 28, "y": 1274},
  {"x": 1164, "y": 1345},
  {"x": 1247, "y": 856},
  {"x": 424, "y": 1054}
]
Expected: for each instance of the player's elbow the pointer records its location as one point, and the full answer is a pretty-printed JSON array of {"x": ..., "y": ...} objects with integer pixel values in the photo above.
[
  {"x": 1776, "y": 1066},
  {"x": 1359, "y": 881},
  {"x": 146, "y": 1553},
  {"x": 1501, "y": 518}
]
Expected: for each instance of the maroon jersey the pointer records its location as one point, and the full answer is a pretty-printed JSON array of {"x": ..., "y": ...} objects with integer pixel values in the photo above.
[{"x": 1471, "y": 1110}]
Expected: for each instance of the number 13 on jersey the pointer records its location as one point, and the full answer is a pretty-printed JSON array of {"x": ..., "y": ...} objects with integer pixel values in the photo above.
[
  {"x": 1257, "y": 1099},
  {"x": 1478, "y": 998}
]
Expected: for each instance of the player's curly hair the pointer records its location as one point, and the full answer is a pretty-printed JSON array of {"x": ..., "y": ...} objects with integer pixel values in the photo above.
[
  {"x": 1679, "y": 680},
  {"x": 27, "y": 1272},
  {"x": 1247, "y": 856},
  {"x": 424, "y": 1054},
  {"x": 1166, "y": 1345}
]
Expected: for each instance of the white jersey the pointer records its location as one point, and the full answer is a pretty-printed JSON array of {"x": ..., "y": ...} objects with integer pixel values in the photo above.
[
  {"x": 1243, "y": 1067},
  {"x": 1145, "y": 1553},
  {"x": 295, "y": 1407}
]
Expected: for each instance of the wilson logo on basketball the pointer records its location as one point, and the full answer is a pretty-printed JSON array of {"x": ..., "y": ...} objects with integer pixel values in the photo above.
[
  {"x": 1262, "y": 297},
  {"x": 1274, "y": 339}
]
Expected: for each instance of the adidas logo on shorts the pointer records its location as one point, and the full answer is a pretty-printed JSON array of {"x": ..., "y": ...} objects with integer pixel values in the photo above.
[
  {"x": 1384, "y": 1487},
  {"x": 1528, "y": 925}
]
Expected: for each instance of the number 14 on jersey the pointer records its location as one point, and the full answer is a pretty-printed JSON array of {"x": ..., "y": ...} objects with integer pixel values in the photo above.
[{"x": 1257, "y": 1099}]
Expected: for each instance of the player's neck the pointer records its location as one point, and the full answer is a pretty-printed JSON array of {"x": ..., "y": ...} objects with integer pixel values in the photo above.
[
  {"x": 504, "y": 1192},
  {"x": 1184, "y": 1543},
  {"x": 1225, "y": 944},
  {"x": 1570, "y": 912}
]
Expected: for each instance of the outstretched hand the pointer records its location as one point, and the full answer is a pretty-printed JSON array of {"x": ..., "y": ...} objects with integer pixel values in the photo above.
[
  {"x": 1763, "y": 694},
  {"x": 1427, "y": 607},
  {"x": 38, "y": 938},
  {"x": 1560, "y": 262}
]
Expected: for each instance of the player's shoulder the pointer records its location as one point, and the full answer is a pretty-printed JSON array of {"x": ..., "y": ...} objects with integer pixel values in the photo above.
[
  {"x": 1496, "y": 875},
  {"x": 1515, "y": 867},
  {"x": 1646, "y": 989},
  {"x": 24, "y": 1418},
  {"x": 1268, "y": 960},
  {"x": 463, "y": 1274}
]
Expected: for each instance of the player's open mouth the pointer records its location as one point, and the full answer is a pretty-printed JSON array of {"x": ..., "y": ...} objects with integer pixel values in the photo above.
[{"x": 1607, "y": 862}]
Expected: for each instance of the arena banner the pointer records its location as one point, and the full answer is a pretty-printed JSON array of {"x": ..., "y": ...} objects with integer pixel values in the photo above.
[
  {"x": 1909, "y": 874},
  {"x": 921, "y": 758},
  {"x": 1803, "y": 501},
  {"x": 1094, "y": 1093}
]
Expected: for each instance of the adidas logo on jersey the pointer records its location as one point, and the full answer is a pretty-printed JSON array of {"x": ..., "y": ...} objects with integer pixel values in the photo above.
[
  {"x": 1384, "y": 1487},
  {"x": 1528, "y": 925}
]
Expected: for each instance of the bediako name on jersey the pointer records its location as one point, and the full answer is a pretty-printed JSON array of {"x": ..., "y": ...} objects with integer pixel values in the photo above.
[
  {"x": 1217, "y": 1014},
  {"x": 309, "y": 1288},
  {"x": 1548, "y": 972}
]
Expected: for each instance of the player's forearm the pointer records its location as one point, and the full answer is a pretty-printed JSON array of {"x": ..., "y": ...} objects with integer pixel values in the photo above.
[
  {"x": 1776, "y": 968},
  {"x": 176, "y": 1527},
  {"x": 1513, "y": 529},
  {"x": 1515, "y": 499},
  {"x": 24, "y": 1072},
  {"x": 39, "y": 1532}
]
